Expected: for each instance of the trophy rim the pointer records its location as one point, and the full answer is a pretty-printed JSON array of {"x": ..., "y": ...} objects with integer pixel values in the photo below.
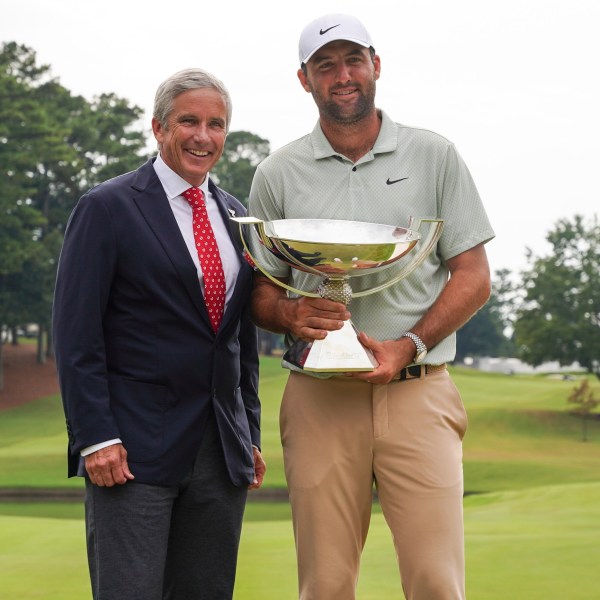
[
  {"x": 338, "y": 248},
  {"x": 409, "y": 235},
  {"x": 258, "y": 225}
]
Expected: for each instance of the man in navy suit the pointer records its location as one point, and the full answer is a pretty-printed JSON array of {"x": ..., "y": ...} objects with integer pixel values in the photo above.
[{"x": 162, "y": 410}]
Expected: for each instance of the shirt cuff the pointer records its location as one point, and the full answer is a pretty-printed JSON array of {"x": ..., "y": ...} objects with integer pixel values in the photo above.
[{"x": 99, "y": 446}]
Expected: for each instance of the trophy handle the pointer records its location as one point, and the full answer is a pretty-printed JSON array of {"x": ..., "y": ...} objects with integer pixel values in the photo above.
[
  {"x": 427, "y": 245},
  {"x": 260, "y": 229}
]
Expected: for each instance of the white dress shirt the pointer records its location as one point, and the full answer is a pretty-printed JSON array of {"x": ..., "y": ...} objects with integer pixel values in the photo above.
[{"x": 174, "y": 186}]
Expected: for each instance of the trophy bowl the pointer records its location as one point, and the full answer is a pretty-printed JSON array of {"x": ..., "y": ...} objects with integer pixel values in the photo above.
[{"x": 337, "y": 251}]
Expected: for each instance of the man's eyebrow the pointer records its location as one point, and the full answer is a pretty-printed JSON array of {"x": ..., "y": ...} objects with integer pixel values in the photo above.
[{"x": 325, "y": 55}]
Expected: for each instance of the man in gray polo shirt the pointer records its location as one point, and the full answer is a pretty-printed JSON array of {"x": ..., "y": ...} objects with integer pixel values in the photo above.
[{"x": 401, "y": 425}]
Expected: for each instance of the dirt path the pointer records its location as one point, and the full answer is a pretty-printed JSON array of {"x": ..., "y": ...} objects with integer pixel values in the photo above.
[{"x": 24, "y": 379}]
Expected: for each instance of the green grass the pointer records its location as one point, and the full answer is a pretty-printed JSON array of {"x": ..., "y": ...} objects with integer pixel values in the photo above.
[
  {"x": 539, "y": 544},
  {"x": 533, "y": 544},
  {"x": 33, "y": 445},
  {"x": 43, "y": 557},
  {"x": 520, "y": 435},
  {"x": 532, "y": 529}
]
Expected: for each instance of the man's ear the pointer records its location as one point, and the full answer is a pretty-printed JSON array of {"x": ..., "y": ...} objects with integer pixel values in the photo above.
[
  {"x": 303, "y": 80},
  {"x": 377, "y": 65},
  {"x": 157, "y": 130}
]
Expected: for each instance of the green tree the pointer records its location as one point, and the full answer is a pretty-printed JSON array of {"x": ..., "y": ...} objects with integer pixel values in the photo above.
[
  {"x": 560, "y": 316},
  {"x": 53, "y": 146},
  {"x": 234, "y": 172},
  {"x": 19, "y": 220},
  {"x": 485, "y": 334}
]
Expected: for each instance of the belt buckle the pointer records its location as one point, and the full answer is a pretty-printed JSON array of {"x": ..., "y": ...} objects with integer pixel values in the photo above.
[
  {"x": 411, "y": 372},
  {"x": 414, "y": 372}
]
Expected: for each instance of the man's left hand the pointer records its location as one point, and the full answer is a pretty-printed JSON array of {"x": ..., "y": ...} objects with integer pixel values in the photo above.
[
  {"x": 392, "y": 356},
  {"x": 260, "y": 468}
]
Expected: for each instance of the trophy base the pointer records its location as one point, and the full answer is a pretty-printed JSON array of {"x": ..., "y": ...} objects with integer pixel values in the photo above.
[{"x": 339, "y": 352}]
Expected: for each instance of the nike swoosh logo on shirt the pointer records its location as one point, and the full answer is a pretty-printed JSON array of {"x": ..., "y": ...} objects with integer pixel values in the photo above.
[{"x": 391, "y": 181}]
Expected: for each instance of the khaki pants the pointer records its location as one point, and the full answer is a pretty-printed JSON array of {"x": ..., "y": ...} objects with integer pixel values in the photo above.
[{"x": 339, "y": 436}]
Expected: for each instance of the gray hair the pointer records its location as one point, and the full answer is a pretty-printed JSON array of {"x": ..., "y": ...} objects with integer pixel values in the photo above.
[{"x": 188, "y": 79}]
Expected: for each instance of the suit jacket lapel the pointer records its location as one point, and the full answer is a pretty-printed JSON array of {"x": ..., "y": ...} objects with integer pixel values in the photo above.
[
  {"x": 152, "y": 202},
  {"x": 244, "y": 279},
  {"x": 227, "y": 210}
]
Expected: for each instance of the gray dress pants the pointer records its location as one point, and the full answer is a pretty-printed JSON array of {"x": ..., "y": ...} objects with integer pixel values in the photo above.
[{"x": 148, "y": 542}]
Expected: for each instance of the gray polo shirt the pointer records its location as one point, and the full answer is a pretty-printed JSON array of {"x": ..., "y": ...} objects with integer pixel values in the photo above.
[{"x": 410, "y": 172}]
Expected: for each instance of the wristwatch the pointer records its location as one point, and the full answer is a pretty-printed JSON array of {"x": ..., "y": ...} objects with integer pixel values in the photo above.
[{"x": 421, "y": 352}]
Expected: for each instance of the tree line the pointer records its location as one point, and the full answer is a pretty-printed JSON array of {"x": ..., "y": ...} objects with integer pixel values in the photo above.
[
  {"x": 552, "y": 313},
  {"x": 55, "y": 145}
]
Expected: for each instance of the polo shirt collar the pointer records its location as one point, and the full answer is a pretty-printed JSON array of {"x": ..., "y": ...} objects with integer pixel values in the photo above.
[{"x": 387, "y": 140}]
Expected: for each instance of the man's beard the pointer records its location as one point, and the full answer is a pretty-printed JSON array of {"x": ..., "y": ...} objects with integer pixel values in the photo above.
[{"x": 339, "y": 114}]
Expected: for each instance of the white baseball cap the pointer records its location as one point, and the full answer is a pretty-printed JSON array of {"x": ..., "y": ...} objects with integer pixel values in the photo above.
[{"x": 330, "y": 28}]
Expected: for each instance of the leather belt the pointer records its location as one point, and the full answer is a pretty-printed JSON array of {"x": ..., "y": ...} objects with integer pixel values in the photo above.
[{"x": 418, "y": 371}]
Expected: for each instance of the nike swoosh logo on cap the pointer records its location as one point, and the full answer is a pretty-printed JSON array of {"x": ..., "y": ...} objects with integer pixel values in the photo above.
[
  {"x": 323, "y": 32},
  {"x": 391, "y": 181}
]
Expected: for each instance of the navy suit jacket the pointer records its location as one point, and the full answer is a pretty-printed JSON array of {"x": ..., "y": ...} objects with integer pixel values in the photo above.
[{"x": 137, "y": 358}]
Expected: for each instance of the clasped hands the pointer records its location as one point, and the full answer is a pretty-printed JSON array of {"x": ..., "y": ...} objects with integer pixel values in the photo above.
[{"x": 313, "y": 318}]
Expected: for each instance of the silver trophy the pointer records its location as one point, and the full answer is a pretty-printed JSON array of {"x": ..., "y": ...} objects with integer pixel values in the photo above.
[{"x": 337, "y": 251}]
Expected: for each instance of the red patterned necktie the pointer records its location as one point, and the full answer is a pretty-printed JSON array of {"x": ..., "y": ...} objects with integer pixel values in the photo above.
[{"x": 210, "y": 259}]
